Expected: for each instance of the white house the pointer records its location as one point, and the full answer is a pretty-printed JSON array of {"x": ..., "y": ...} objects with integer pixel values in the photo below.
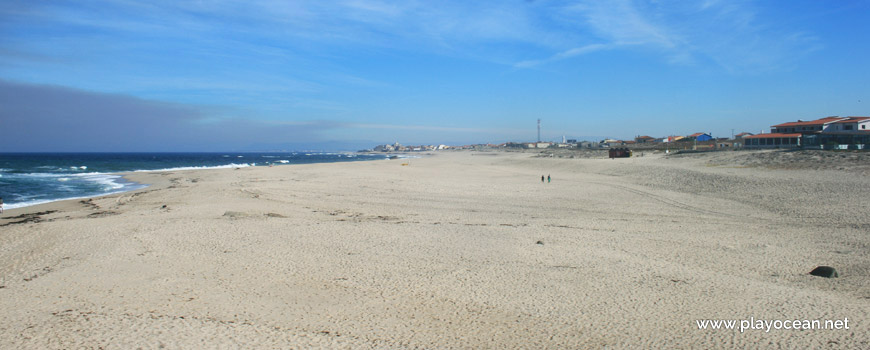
[{"x": 849, "y": 125}]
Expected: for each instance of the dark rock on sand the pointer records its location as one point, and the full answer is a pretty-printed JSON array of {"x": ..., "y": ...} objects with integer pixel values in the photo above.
[{"x": 825, "y": 271}]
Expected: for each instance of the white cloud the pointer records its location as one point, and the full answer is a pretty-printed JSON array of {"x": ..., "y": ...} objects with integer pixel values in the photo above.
[
  {"x": 735, "y": 34},
  {"x": 577, "y": 51}
]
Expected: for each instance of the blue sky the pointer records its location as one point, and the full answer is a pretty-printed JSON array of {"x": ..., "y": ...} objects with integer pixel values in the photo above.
[{"x": 235, "y": 75}]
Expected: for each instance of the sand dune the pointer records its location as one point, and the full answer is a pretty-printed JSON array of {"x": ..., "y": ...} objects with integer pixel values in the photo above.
[{"x": 457, "y": 250}]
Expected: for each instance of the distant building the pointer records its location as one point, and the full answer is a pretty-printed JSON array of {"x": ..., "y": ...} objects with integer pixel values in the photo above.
[
  {"x": 727, "y": 143},
  {"x": 827, "y": 133},
  {"x": 644, "y": 139},
  {"x": 384, "y": 148},
  {"x": 700, "y": 136},
  {"x": 742, "y": 135},
  {"x": 772, "y": 140},
  {"x": 804, "y": 127},
  {"x": 849, "y": 125},
  {"x": 610, "y": 143},
  {"x": 538, "y": 144}
]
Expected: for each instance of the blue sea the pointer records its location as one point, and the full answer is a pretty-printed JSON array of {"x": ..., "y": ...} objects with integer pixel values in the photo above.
[{"x": 34, "y": 178}]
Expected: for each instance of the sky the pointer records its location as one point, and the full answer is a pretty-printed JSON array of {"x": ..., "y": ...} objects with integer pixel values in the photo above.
[{"x": 264, "y": 75}]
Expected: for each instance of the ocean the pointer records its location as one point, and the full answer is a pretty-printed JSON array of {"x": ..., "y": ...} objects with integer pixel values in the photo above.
[{"x": 34, "y": 178}]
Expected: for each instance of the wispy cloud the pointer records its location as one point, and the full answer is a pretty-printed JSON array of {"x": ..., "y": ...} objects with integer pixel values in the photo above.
[
  {"x": 623, "y": 22},
  {"x": 734, "y": 34},
  {"x": 577, "y": 51}
]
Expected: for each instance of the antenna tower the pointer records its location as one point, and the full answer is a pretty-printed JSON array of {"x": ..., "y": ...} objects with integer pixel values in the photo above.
[{"x": 539, "y": 130}]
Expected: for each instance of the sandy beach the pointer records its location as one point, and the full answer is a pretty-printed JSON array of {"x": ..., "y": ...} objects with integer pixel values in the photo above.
[{"x": 455, "y": 250}]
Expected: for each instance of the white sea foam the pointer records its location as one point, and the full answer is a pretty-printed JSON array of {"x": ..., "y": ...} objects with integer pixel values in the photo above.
[
  {"x": 109, "y": 184},
  {"x": 44, "y": 201},
  {"x": 227, "y": 166},
  {"x": 30, "y": 203},
  {"x": 45, "y": 175},
  {"x": 106, "y": 181},
  {"x": 404, "y": 156},
  {"x": 283, "y": 161}
]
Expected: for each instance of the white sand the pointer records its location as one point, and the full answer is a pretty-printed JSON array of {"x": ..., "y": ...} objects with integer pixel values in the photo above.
[{"x": 443, "y": 254}]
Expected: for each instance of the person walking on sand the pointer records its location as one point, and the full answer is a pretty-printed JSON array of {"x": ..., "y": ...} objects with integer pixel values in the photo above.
[
  {"x": 542, "y": 178},
  {"x": 1, "y": 205},
  {"x": 548, "y": 178}
]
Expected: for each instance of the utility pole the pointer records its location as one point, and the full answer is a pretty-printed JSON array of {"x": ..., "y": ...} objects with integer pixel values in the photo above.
[{"x": 539, "y": 129}]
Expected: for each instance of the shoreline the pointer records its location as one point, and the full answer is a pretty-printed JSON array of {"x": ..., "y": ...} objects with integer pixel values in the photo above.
[
  {"x": 127, "y": 175},
  {"x": 141, "y": 177}
]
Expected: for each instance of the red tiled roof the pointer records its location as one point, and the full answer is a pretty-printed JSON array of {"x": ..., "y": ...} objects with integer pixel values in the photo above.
[
  {"x": 772, "y": 135},
  {"x": 822, "y": 121},
  {"x": 696, "y": 134},
  {"x": 852, "y": 120}
]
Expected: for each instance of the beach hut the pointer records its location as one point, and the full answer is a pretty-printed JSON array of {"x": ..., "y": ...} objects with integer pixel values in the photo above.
[{"x": 619, "y": 153}]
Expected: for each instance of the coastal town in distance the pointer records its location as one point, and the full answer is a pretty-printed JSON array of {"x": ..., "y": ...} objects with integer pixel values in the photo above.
[{"x": 828, "y": 133}]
